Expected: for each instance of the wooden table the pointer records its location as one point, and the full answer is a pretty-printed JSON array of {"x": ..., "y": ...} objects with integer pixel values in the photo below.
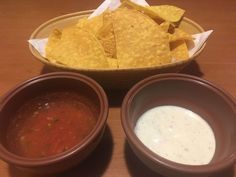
[{"x": 113, "y": 156}]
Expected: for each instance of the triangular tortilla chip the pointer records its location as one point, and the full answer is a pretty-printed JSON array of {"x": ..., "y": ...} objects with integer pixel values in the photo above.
[
  {"x": 76, "y": 48},
  {"x": 168, "y": 13},
  {"x": 140, "y": 42}
]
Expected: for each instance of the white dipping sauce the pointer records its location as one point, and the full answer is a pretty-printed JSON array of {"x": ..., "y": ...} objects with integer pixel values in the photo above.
[{"x": 177, "y": 134}]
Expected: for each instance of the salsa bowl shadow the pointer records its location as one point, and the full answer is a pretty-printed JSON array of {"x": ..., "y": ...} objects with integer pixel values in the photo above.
[
  {"x": 58, "y": 81},
  {"x": 214, "y": 105}
]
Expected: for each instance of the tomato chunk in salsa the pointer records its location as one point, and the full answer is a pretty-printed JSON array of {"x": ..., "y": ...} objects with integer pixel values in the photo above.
[{"x": 50, "y": 124}]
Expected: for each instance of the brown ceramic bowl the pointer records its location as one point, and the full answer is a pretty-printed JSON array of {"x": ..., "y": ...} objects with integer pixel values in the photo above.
[
  {"x": 198, "y": 95},
  {"x": 39, "y": 85}
]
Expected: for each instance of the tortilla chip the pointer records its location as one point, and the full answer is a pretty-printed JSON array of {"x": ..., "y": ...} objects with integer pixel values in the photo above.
[
  {"x": 179, "y": 50},
  {"x": 143, "y": 9},
  {"x": 93, "y": 24},
  {"x": 180, "y": 35},
  {"x": 168, "y": 13},
  {"x": 106, "y": 36},
  {"x": 165, "y": 12},
  {"x": 77, "y": 48},
  {"x": 113, "y": 63},
  {"x": 53, "y": 40},
  {"x": 140, "y": 42},
  {"x": 165, "y": 26}
]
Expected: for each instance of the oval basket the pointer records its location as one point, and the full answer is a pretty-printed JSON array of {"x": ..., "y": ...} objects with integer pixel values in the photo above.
[{"x": 110, "y": 78}]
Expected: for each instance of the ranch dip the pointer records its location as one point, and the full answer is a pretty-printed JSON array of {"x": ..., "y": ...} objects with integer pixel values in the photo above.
[{"x": 177, "y": 134}]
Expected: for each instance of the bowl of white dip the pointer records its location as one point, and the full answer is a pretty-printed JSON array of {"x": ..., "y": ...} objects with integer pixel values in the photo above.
[{"x": 180, "y": 125}]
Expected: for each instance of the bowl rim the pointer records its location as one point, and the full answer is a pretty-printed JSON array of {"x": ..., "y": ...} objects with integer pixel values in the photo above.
[
  {"x": 103, "y": 101},
  {"x": 42, "y": 59},
  {"x": 132, "y": 138}
]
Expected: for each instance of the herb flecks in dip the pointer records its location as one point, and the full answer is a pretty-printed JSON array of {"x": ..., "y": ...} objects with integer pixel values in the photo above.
[
  {"x": 177, "y": 134},
  {"x": 50, "y": 124}
]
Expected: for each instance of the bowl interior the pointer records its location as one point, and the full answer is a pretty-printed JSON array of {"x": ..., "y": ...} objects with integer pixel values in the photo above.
[
  {"x": 40, "y": 86},
  {"x": 193, "y": 94}
]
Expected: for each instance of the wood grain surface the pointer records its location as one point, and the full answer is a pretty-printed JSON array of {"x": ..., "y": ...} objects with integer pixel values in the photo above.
[{"x": 113, "y": 157}]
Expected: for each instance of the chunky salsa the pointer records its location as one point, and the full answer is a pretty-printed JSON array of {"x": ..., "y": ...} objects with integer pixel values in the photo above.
[{"x": 50, "y": 124}]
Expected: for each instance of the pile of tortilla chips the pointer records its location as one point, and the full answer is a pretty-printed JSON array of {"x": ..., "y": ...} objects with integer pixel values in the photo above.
[{"x": 131, "y": 36}]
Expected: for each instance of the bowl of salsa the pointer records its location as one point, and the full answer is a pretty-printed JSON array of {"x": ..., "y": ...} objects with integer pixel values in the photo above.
[{"x": 52, "y": 122}]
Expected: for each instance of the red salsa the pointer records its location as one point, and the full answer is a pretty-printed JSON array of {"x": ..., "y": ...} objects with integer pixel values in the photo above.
[{"x": 50, "y": 124}]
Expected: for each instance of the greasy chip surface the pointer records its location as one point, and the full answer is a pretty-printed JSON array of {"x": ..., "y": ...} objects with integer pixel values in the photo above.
[
  {"x": 179, "y": 50},
  {"x": 167, "y": 12},
  {"x": 140, "y": 42},
  {"x": 76, "y": 47}
]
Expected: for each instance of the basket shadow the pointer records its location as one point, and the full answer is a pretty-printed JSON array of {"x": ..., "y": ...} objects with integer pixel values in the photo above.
[
  {"x": 93, "y": 166},
  {"x": 115, "y": 97},
  {"x": 193, "y": 69},
  {"x": 48, "y": 69}
]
